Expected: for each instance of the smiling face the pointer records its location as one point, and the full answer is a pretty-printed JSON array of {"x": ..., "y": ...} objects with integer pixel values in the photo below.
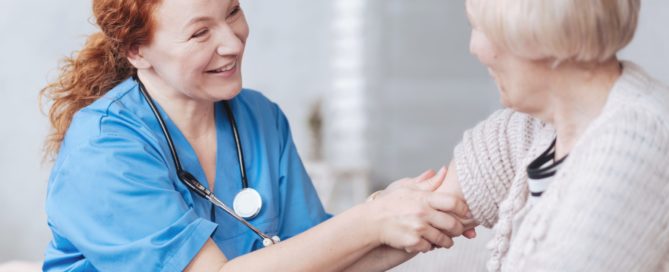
[
  {"x": 518, "y": 80},
  {"x": 524, "y": 42},
  {"x": 197, "y": 49},
  {"x": 521, "y": 81}
]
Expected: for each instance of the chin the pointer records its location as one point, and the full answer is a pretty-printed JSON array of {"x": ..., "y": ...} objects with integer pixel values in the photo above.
[
  {"x": 227, "y": 94},
  {"x": 224, "y": 89},
  {"x": 505, "y": 102},
  {"x": 503, "y": 96}
]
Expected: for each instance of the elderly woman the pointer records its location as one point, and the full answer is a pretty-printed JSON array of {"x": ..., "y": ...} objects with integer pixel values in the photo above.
[{"x": 572, "y": 174}]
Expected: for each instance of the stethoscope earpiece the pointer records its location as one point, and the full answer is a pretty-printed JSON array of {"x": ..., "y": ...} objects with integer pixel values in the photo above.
[{"x": 270, "y": 241}]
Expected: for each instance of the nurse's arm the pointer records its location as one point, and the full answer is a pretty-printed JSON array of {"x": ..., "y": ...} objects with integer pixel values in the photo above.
[
  {"x": 384, "y": 257},
  {"x": 381, "y": 259},
  {"x": 330, "y": 246}
]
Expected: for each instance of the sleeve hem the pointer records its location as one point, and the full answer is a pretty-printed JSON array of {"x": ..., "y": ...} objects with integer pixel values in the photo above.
[{"x": 187, "y": 251}]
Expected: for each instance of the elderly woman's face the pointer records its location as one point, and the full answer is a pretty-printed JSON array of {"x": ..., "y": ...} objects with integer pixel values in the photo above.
[
  {"x": 520, "y": 81},
  {"x": 198, "y": 46}
]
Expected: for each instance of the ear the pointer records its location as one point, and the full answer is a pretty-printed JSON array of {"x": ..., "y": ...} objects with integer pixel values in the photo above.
[{"x": 136, "y": 58}]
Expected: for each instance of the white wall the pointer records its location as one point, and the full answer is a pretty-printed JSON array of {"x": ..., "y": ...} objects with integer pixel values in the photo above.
[
  {"x": 650, "y": 47},
  {"x": 35, "y": 33}
]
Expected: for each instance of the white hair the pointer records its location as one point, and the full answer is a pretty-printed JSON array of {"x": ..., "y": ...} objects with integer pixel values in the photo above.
[{"x": 578, "y": 30}]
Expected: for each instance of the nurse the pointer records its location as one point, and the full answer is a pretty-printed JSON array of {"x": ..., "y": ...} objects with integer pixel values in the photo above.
[{"x": 115, "y": 200}]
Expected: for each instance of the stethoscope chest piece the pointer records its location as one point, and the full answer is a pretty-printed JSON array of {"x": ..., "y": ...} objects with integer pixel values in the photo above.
[{"x": 247, "y": 203}]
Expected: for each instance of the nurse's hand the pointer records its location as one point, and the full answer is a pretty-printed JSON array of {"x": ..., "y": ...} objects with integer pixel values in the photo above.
[
  {"x": 410, "y": 216},
  {"x": 429, "y": 181}
]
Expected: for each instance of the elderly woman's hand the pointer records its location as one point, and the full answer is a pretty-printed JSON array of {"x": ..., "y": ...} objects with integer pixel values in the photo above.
[{"x": 415, "y": 218}]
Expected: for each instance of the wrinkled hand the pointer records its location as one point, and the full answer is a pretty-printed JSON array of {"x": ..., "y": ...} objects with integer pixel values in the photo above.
[
  {"x": 415, "y": 218},
  {"x": 428, "y": 182}
]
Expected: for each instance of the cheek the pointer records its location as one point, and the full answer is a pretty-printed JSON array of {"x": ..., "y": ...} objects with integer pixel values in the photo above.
[
  {"x": 170, "y": 58},
  {"x": 198, "y": 60},
  {"x": 482, "y": 48},
  {"x": 241, "y": 29}
]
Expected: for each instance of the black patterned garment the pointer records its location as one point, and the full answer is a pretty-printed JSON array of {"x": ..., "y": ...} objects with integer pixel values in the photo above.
[{"x": 541, "y": 171}]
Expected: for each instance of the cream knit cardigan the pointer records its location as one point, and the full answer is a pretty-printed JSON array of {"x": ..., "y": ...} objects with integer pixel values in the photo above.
[{"x": 607, "y": 208}]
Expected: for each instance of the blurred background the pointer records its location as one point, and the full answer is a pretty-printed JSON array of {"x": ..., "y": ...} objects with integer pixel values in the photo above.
[{"x": 375, "y": 90}]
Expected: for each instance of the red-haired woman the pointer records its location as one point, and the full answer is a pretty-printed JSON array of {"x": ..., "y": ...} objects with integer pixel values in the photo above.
[{"x": 152, "y": 128}]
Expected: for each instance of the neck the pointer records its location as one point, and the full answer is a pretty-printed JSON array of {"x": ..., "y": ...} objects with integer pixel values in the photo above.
[
  {"x": 576, "y": 96},
  {"x": 194, "y": 118}
]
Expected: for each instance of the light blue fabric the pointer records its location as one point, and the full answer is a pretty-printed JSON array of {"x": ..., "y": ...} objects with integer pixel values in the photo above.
[{"x": 114, "y": 202}]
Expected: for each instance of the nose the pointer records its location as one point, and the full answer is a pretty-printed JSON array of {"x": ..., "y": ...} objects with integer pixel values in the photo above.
[
  {"x": 472, "y": 44},
  {"x": 230, "y": 43}
]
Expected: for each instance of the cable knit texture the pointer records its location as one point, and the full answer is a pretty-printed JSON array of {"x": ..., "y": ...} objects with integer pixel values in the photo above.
[{"x": 606, "y": 209}]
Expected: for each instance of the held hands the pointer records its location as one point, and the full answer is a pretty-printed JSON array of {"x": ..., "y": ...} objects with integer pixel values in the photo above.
[{"x": 411, "y": 216}]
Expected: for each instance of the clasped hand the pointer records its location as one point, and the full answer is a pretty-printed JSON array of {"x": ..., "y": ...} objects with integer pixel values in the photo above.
[{"x": 415, "y": 218}]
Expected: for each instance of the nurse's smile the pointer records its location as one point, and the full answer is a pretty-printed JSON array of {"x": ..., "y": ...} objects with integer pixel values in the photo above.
[{"x": 225, "y": 71}]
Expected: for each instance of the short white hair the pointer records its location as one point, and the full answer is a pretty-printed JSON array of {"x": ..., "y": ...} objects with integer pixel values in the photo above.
[{"x": 578, "y": 30}]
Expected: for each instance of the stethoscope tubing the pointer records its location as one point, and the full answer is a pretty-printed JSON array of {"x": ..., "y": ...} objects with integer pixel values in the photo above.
[
  {"x": 238, "y": 144},
  {"x": 190, "y": 181}
]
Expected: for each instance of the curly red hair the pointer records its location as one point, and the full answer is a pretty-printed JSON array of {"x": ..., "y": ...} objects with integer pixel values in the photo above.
[{"x": 100, "y": 65}]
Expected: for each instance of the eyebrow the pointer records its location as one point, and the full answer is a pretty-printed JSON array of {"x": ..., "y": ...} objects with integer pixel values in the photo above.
[
  {"x": 197, "y": 20},
  {"x": 205, "y": 18}
]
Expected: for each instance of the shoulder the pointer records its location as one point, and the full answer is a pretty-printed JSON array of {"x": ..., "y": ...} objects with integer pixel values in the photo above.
[
  {"x": 637, "y": 92},
  {"x": 635, "y": 120},
  {"x": 510, "y": 122},
  {"x": 255, "y": 99},
  {"x": 509, "y": 131},
  {"x": 635, "y": 131},
  {"x": 625, "y": 152},
  {"x": 118, "y": 103},
  {"x": 637, "y": 108},
  {"x": 120, "y": 114}
]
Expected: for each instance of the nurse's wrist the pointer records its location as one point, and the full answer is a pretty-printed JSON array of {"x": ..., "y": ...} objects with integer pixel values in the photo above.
[
  {"x": 370, "y": 220},
  {"x": 375, "y": 217}
]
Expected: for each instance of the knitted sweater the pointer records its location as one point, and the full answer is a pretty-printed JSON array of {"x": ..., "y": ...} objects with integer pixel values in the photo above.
[{"x": 607, "y": 208}]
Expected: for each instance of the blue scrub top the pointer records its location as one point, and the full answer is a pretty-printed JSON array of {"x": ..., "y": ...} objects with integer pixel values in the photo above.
[{"x": 114, "y": 202}]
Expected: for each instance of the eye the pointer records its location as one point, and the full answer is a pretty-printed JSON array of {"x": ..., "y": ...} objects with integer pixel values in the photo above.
[
  {"x": 200, "y": 33},
  {"x": 235, "y": 10}
]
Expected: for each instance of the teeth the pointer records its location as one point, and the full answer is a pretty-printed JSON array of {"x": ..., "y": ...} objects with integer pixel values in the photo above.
[
  {"x": 232, "y": 65},
  {"x": 226, "y": 68}
]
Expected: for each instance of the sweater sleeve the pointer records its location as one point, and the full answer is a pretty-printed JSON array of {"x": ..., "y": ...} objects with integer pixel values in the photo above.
[
  {"x": 613, "y": 214},
  {"x": 487, "y": 158}
]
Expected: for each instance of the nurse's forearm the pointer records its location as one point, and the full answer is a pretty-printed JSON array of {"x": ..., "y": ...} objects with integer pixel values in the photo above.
[
  {"x": 381, "y": 258},
  {"x": 332, "y": 245}
]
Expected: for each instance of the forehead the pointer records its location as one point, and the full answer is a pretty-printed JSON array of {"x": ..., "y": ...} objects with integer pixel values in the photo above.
[
  {"x": 177, "y": 13},
  {"x": 471, "y": 7}
]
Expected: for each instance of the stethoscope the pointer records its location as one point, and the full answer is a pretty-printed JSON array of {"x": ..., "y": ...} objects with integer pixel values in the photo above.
[{"x": 247, "y": 203}]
